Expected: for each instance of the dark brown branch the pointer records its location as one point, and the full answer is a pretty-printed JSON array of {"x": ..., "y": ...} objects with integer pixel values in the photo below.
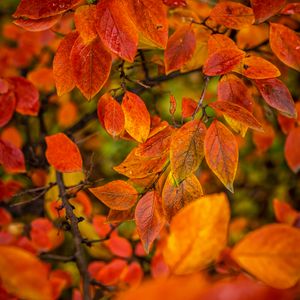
[
  {"x": 60, "y": 258},
  {"x": 73, "y": 221},
  {"x": 206, "y": 81}
]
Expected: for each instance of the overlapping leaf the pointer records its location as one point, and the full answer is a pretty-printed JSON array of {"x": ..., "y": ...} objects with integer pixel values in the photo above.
[
  {"x": 221, "y": 153},
  {"x": 7, "y": 107},
  {"x": 195, "y": 243},
  {"x": 263, "y": 10},
  {"x": 292, "y": 149},
  {"x": 187, "y": 151}
]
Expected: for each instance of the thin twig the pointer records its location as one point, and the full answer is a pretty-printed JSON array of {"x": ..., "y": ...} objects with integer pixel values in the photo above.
[
  {"x": 206, "y": 81},
  {"x": 79, "y": 253}
]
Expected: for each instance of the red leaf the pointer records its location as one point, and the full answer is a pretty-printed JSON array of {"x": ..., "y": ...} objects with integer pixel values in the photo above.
[
  {"x": 175, "y": 3},
  {"x": 90, "y": 65},
  {"x": 36, "y": 9},
  {"x": 222, "y": 61},
  {"x": 84, "y": 19},
  {"x": 292, "y": 149},
  {"x": 137, "y": 117},
  {"x": 285, "y": 43},
  {"x": 7, "y": 107},
  {"x": 37, "y": 25},
  {"x": 114, "y": 119},
  {"x": 116, "y": 29},
  {"x": 232, "y": 15},
  {"x": 173, "y": 105},
  {"x": 219, "y": 41},
  {"x": 27, "y": 96},
  {"x": 291, "y": 9},
  {"x": 119, "y": 246},
  {"x": 11, "y": 157},
  {"x": 63, "y": 154},
  {"x": 62, "y": 70},
  {"x": 180, "y": 48},
  {"x": 148, "y": 218},
  {"x": 265, "y": 9},
  {"x": 277, "y": 95},
  {"x": 188, "y": 107}
]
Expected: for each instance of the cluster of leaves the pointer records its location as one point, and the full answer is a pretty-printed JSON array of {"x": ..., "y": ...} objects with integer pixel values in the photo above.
[{"x": 154, "y": 217}]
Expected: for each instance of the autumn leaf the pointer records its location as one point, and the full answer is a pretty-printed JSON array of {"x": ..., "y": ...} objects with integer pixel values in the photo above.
[
  {"x": 37, "y": 25},
  {"x": 222, "y": 61},
  {"x": 255, "y": 67},
  {"x": 192, "y": 245},
  {"x": 114, "y": 119},
  {"x": 277, "y": 95},
  {"x": 62, "y": 69},
  {"x": 116, "y": 29},
  {"x": 7, "y": 107},
  {"x": 20, "y": 268},
  {"x": 63, "y": 154},
  {"x": 188, "y": 107},
  {"x": 119, "y": 246},
  {"x": 118, "y": 194},
  {"x": 263, "y": 10},
  {"x": 219, "y": 41},
  {"x": 35, "y": 9},
  {"x": 180, "y": 48},
  {"x": 84, "y": 19},
  {"x": 221, "y": 153},
  {"x": 150, "y": 18},
  {"x": 11, "y": 157},
  {"x": 285, "y": 213},
  {"x": 175, "y": 3},
  {"x": 137, "y": 166},
  {"x": 292, "y": 149},
  {"x": 232, "y": 15},
  {"x": 291, "y": 9},
  {"x": 186, "y": 152},
  {"x": 237, "y": 113},
  {"x": 137, "y": 117},
  {"x": 90, "y": 64},
  {"x": 271, "y": 254},
  {"x": 149, "y": 219},
  {"x": 285, "y": 44},
  {"x": 27, "y": 96},
  {"x": 175, "y": 197}
]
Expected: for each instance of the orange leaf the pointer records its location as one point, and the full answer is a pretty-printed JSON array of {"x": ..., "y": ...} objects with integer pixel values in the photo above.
[
  {"x": 37, "y": 25},
  {"x": 220, "y": 41},
  {"x": 137, "y": 117},
  {"x": 114, "y": 119},
  {"x": 265, "y": 9},
  {"x": 292, "y": 149},
  {"x": 117, "y": 194},
  {"x": 221, "y": 153},
  {"x": 42, "y": 78},
  {"x": 157, "y": 145},
  {"x": 4, "y": 86},
  {"x": 180, "y": 48},
  {"x": 63, "y": 154},
  {"x": 237, "y": 113},
  {"x": 291, "y": 9},
  {"x": 232, "y": 15},
  {"x": 175, "y": 3},
  {"x": 271, "y": 253},
  {"x": 136, "y": 166},
  {"x": 36, "y": 9},
  {"x": 11, "y": 158},
  {"x": 176, "y": 197},
  {"x": 285, "y": 213},
  {"x": 7, "y": 107},
  {"x": 150, "y": 18},
  {"x": 222, "y": 61},
  {"x": 255, "y": 67},
  {"x": 19, "y": 268},
  {"x": 62, "y": 71},
  {"x": 186, "y": 152},
  {"x": 188, "y": 107},
  {"x": 277, "y": 95},
  {"x": 13, "y": 135},
  {"x": 27, "y": 96},
  {"x": 148, "y": 218},
  {"x": 116, "y": 29},
  {"x": 173, "y": 105},
  {"x": 104, "y": 99},
  {"x": 90, "y": 65},
  {"x": 285, "y": 43},
  {"x": 84, "y": 19},
  {"x": 67, "y": 114},
  {"x": 195, "y": 239}
]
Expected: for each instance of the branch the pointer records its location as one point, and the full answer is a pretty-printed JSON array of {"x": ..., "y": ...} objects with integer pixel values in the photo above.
[
  {"x": 79, "y": 253},
  {"x": 206, "y": 81}
]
